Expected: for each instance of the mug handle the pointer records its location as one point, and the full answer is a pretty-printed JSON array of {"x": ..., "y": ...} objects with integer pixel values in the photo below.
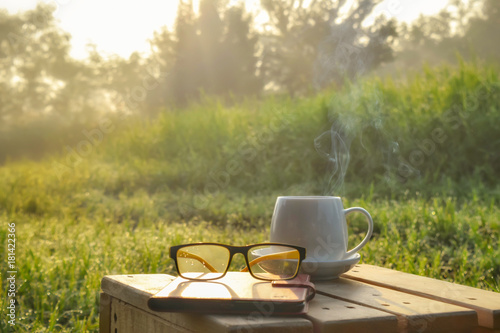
[{"x": 370, "y": 228}]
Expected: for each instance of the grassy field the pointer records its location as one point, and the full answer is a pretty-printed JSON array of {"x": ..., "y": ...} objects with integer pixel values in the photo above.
[{"x": 422, "y": 162}]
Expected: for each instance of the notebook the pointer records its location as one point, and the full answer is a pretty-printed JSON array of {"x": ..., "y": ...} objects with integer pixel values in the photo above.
[{"x": 237, "y": 292}]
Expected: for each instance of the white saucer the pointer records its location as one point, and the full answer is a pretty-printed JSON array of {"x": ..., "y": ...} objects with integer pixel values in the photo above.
[{"x": 328, "y": 270}]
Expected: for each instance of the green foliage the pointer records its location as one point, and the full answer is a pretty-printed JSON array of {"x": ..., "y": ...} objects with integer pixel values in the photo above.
[
  {"x": 443, "y": 124},
  {"x": 212, "y": 173},
  {"x": 437, "y": 133}
]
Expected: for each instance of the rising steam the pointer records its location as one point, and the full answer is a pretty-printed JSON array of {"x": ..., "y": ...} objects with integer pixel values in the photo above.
[
  {"x": 334, "y": 145},
  {"x": 362, "y": 116}
]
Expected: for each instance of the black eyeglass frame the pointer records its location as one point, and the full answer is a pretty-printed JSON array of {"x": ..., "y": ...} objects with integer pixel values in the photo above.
[{"x": 234, "y": 250}]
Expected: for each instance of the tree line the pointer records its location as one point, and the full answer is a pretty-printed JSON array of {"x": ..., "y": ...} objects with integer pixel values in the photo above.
[
  {"x": 216, "y": 51},
  {"x": 464, "y": 30},
  {"x": 219, "y": 50}
]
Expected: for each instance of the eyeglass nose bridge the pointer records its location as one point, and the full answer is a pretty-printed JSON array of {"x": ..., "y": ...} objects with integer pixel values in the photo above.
[{"x": 233, "y": 250}]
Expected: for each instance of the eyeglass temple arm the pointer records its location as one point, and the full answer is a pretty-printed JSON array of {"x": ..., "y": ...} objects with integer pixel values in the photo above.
[
  {"x": 282, "y": 255},
  {"x": 200, "y": 259}
]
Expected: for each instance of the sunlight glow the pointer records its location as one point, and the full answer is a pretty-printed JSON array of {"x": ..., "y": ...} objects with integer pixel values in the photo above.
[{"x": 122, "y": 27}]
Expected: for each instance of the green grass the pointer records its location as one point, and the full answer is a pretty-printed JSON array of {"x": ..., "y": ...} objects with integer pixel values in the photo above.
[{"x": 212, "y": 173}]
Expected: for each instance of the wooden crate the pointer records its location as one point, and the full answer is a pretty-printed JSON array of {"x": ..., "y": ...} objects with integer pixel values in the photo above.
[{"x": 366, "y": 299}]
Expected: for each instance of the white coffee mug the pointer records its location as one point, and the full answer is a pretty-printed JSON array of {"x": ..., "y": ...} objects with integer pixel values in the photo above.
[{"x": 317, "y": 223}]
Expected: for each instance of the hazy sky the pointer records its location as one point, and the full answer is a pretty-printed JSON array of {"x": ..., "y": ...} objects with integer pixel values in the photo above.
[{"x": 121, "y": 27}]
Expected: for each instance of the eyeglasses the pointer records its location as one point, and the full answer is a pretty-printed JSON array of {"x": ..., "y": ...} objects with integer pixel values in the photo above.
[{"x": 210, "y": 261}]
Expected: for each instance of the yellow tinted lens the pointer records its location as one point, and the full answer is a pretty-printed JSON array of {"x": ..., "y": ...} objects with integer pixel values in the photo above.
[
  {"x": 274, "y": 262},
  {"x": 202, "y": 261}
]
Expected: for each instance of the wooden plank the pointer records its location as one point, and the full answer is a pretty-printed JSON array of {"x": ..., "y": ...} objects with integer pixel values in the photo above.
[
  {"x": 135, "y": 290},
  {"x": 480, "y": 329},
  {"x": 334, "y": 315},
  {"x": 415, "y": 314},
  {"x": 485, "y": 303},
  {"x": 104, "y": 313},
  {"x": 129, "y": 319}
]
